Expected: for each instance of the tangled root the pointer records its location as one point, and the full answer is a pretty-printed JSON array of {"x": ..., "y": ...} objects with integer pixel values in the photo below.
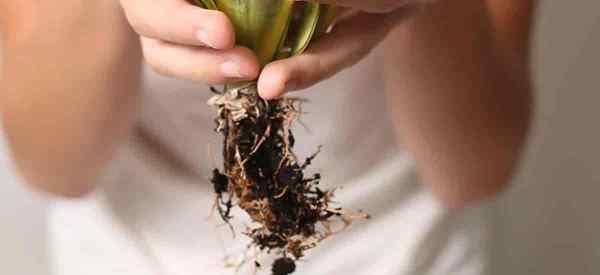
[{"x": 263, "y": 176}]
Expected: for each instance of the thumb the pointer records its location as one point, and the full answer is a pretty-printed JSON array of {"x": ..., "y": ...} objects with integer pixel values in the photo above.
[{"x": 349, "y": 42}]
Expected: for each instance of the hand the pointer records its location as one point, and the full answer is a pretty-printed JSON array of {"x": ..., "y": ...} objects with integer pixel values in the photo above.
[
  {"x": 185, "y": 41},
  {"x": 353, "y": 37},
  {"x": 188, "y": 42}
]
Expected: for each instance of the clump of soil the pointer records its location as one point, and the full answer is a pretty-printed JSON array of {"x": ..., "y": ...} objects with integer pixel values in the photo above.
[
  {"x": 263, "y": 176},
  {"x": 284, "y": 266}
]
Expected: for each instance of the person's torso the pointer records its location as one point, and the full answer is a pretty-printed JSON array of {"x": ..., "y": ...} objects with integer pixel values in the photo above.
[{"x": 152, "y": 214}]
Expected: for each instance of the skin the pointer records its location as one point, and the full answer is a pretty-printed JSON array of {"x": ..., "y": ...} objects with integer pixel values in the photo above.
[
  {"x": 464, "y": 126},
  {"x": 463, "y": 103},
  {"x": 64, "y": 118}
]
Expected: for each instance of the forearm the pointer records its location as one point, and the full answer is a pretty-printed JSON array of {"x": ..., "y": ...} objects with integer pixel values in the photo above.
[
  {"x": 69, "y": 89},
  {"x": 460, "y": 106}
]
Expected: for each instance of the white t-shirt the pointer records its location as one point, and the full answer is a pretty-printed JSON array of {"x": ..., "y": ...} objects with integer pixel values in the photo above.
[{"x": 151, "y": 214}]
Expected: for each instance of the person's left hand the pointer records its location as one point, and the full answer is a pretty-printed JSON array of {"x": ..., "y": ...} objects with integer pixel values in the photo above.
[{"x": 353, "y": 38}]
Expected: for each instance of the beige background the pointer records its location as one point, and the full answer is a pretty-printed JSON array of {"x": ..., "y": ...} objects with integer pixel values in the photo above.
[{"x": 547, "y": 223}]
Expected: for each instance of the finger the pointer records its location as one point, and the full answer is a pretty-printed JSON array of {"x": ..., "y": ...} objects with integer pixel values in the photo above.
[
  {"x": 180, "y": 22},
  {"x": 349, "y": 42},
  {"x": 200, "y": 64}
]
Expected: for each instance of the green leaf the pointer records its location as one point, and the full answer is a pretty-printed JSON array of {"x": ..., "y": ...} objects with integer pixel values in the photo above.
[
  {"x": 307, "y": 27},
  {"x": 328, "y": 15},
  {"x": 260, "y": 24},
  {"x": 207, "y": 4},
  {"x": 282, "y": 50}
]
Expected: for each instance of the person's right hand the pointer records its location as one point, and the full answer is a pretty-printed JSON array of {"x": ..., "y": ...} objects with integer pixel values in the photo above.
[{"x": 188, "y": 42}]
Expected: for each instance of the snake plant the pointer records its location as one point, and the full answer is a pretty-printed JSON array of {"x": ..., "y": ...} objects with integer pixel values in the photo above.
[
  {"x": 261, "y": 174},
  {"x": 275, "y": 29}
]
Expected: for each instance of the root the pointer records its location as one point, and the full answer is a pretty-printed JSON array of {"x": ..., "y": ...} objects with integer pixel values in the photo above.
[{"x": 263, "y": 176}]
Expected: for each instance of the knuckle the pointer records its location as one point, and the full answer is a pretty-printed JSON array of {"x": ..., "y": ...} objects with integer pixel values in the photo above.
[
  {"x": 138, "y": 23},
  {"x": 158, "y": 67},
  {"x": 147, "y": 22},
  {"x": 133, "y": 15},
  {"x": 152, "y": 58},
  {"x": 220, "y": 25},
  {"x": 220, "y": 21}
]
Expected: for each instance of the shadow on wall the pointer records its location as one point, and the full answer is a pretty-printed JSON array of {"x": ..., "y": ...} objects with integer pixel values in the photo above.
[{"x": 548, "y": 223}]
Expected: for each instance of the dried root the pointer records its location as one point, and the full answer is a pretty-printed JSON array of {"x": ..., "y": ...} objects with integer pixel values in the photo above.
[{"x": 264, "y": 177}]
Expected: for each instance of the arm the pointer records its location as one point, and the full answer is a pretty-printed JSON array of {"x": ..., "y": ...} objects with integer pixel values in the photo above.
[
  {"x": 458, "y": 85},
  {"x": 69, "y": 88}
]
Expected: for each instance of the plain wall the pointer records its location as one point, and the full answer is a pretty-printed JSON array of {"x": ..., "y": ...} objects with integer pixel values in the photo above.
[
  {"x": 549, "y": 222},
  {"x": 546, "y": 224}
]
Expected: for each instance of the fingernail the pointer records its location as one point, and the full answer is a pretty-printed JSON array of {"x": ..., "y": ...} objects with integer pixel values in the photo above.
[
  {"x": 203, "y": 36},
  {"x": 231, "y": 69}
]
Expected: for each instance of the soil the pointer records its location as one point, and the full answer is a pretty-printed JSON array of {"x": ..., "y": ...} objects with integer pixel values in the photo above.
[{"x": 262, "y": 175}]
